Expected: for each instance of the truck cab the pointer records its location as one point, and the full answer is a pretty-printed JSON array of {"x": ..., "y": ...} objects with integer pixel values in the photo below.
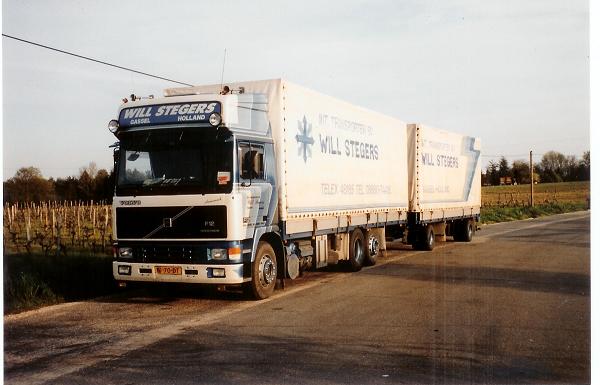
[{"x": 195, "y": 189}]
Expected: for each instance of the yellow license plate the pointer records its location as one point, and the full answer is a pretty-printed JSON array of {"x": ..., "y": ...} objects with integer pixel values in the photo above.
[{"x": 168, "y": 270}]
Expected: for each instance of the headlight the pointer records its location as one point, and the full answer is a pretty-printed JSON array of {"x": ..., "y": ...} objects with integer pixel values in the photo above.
[
  {"x": 214, "y": 119},
  {"x": 113, "y": 126},
  {"x": 217, "y": 254},
  {"x": 125, "y": 252}
]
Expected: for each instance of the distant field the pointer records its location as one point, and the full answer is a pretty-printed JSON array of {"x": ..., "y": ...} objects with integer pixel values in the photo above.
[
  {"x": 509, "y": 203},
  {"x": 544, "y": 193}
]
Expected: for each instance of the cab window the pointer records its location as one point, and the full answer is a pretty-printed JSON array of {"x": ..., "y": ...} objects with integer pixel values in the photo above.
[{"x": 251, "y": 161}]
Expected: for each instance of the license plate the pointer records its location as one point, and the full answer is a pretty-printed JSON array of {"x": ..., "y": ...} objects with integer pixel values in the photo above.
[{"x": 168, "y": 270}]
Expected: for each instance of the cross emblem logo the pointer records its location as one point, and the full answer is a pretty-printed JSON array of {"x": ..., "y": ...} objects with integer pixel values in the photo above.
[{"x": 304, "y": 139}]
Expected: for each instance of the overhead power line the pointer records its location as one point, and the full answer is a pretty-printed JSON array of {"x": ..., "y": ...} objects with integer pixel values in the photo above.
[{"x": 95, "y": 60}]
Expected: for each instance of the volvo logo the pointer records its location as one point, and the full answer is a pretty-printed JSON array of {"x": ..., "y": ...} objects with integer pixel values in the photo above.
[{"x": 131, "y": 202}]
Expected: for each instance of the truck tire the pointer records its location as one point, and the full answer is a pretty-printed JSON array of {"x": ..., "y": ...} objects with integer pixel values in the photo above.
[
  {"x": 464, "y": 231},
  {"x": 426, "y": 239},
  {"x": 372, "y": 249},
  {"x": 358, "y": 249},
  {"x": 264, "y": 272}
]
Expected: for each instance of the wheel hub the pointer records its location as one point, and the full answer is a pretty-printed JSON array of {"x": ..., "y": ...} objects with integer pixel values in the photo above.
[
  {"x": 267, "y": 272},
  {"x": 373, "y": 245}
]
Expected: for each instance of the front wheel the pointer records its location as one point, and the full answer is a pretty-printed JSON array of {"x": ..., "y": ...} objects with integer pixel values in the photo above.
[{"x": 264, "y": 272}]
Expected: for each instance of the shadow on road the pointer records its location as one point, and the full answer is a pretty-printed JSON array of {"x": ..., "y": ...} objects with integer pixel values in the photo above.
[
  {"x": 541, "y": 281},
  {"x": 267, "y": 359},
  {"x": 162, "y": 293}
]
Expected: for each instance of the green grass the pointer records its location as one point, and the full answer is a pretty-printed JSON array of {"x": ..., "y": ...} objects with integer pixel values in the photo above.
[
  {"x": 25, "y": 291},
  {"x": 504, "y": 214},
  {"x": 35, "y": 280}
]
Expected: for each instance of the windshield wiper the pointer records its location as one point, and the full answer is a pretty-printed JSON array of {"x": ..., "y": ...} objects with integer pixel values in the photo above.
[{"x": 149, "y": 182}]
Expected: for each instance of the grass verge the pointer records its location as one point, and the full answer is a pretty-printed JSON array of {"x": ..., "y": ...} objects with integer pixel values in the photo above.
[
  {"x": 505, "y": 214},
  {"x": 35, "y": 280}
]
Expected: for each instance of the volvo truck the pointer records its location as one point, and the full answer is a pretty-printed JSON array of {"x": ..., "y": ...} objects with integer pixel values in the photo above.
[{"x": 252, "y": 182}]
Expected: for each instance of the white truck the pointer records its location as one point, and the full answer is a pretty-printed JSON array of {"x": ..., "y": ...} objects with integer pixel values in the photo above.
[{"x": 256, "y": 181}]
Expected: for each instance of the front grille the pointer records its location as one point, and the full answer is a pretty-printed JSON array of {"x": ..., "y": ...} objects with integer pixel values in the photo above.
[
  {"x": 169, "y": 254},
  {"x": 175, "y": 253},
  {"x": 178, "y": 222}
]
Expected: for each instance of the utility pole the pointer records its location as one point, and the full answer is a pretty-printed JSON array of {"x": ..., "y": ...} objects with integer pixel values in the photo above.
[{"x": 531, "y": 176}]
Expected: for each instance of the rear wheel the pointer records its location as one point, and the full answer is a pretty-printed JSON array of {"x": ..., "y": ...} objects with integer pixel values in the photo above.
[
  {"x": 358, "y": 249},
  {"x": 426, "y": 239},
  {"x": 464, "y": 231},
  {"x": 372, "y": 249},
  {"x": 264, "y": 272}
]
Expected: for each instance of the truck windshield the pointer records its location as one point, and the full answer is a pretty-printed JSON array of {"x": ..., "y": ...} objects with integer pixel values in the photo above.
[{"x": 175, "y": 161}]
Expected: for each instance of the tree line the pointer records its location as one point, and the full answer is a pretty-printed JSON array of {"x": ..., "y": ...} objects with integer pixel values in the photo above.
[
  {"x": 28, "y": 185},
  {"x": 554, "y": 167}
]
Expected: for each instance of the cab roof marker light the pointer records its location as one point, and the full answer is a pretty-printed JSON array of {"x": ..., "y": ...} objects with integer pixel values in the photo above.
[
  {"x": 214, "y": 119},
  {"x": 113, "y": 126}
]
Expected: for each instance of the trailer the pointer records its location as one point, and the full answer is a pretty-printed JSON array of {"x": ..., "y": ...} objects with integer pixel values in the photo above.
[
  {"x": 251, "y": 182},
  {"x": 444, "y": 186}
]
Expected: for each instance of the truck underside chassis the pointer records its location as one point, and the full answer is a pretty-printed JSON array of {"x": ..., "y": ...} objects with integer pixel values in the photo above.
[{"x": 357, "y": 248}]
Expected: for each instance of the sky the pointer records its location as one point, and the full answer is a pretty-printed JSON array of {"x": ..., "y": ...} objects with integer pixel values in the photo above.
[{"x": 515, "y": 73}]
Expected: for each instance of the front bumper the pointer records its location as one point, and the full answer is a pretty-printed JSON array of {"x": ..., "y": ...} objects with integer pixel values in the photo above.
[{"x": 146, "y": 272}]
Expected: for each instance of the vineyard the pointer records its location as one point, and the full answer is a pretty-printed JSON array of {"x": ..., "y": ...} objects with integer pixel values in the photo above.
[{"x": 57, "y": 228}]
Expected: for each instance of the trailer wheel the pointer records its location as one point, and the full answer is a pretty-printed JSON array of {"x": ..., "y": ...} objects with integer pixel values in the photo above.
[
  {"x": 264, "y": 272},
  {"x": 358, "y": 249},
  {"x": 463, "y": 232},
  {"x": 426, "y": 239}
]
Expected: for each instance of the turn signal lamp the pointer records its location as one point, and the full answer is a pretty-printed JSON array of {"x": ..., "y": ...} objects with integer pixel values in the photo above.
[{"x": 235, "y": 254}]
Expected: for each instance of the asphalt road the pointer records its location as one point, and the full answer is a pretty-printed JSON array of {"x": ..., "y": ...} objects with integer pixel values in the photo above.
[{"x": 513, "y": 306}]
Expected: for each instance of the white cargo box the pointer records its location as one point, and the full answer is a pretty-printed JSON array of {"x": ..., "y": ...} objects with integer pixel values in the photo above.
[
  {"x": 444, "y": 173},
  {"x": 334, "y": 159}
]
